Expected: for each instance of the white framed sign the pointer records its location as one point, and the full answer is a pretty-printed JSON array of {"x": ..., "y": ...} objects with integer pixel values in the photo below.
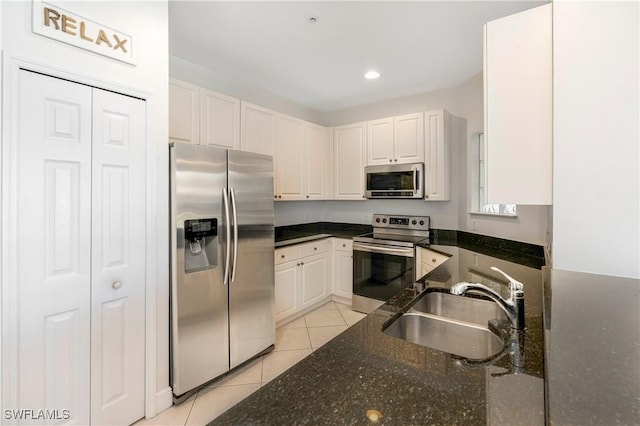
[{"x": 62, "y": 25}]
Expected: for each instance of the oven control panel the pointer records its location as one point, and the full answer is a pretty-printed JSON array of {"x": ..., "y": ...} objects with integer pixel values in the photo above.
[{"x": 420, "y": 223}]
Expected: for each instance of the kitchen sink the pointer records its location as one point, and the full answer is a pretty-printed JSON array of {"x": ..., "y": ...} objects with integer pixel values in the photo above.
[
  {"x": 454, "y": 324},
  {"x": 467, "y": 309}
]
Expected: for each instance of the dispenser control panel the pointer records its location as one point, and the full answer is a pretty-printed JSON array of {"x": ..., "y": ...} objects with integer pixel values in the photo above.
[{"x": 194, "y": 229}]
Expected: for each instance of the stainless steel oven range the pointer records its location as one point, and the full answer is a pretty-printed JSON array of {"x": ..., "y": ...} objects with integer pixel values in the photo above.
[{"x": 384, "y": 261}]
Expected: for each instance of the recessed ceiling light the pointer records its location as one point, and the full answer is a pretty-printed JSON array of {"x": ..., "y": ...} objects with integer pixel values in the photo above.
[{"x": 372, "y": 75}]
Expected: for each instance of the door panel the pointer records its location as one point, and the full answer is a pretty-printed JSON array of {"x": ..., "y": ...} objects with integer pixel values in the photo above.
[
  {"x": 251, "y": 294},
  {"x": 199, "y": 295},
  {"x": 118, "y": 261},
  {"x": 313, "y": 280},
  {"x": 53, "y": 228}
]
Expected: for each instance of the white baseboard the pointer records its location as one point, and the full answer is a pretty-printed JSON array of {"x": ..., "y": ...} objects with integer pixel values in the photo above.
[{"x": 164, "y": 400}]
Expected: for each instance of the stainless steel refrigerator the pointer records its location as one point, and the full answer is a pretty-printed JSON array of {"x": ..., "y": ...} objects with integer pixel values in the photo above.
[{"x": 222, "y": 268}]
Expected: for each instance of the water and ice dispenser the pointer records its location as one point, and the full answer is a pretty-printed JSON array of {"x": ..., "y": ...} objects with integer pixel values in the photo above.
[{"x": 200, "y": 244}]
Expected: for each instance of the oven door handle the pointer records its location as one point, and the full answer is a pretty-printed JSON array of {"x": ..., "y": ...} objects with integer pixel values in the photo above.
[{"x": 371, "y": 248}]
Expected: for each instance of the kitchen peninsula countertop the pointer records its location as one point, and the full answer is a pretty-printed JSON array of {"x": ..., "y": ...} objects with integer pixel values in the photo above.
[{"x": 364, "y": 369}]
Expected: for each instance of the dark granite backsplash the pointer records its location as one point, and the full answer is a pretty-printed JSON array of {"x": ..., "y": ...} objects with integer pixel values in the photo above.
[
  {"x": 524, "y": 253},
  {"x": 347, "y": 230}
]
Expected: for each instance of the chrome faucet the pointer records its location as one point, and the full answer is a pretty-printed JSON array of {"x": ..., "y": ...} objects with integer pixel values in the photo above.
[{"x": 513, "y": 306}]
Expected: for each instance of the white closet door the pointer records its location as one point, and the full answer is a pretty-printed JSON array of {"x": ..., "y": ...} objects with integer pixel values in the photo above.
[
  {"x": 53, "y": 245},
  {"x": 118, "y": 259}
]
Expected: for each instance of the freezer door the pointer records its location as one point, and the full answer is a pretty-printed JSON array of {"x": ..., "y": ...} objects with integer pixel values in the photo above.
[
  {"x": 251, "y": 290},
  {"x": 199, "y": 306}
]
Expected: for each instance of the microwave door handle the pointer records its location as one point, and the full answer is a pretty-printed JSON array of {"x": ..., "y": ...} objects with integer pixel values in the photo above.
[{"x": 416, "y": 179}]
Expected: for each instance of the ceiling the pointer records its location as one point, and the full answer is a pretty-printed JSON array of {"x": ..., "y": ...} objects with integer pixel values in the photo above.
[{"x": 417, "y": 46}]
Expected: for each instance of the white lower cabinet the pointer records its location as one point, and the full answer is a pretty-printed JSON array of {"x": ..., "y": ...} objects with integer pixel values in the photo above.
[
  {"x": 301, "y": 277},
  {"x": 343, "y": 269},
  {"x": 286, "y": 289},
  {"x": 314, "y": 284},
  {"x": 427, "y": 260}
]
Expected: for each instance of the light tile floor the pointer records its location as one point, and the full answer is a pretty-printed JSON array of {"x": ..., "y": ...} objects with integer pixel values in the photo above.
[{"x": 294, "y": 341}]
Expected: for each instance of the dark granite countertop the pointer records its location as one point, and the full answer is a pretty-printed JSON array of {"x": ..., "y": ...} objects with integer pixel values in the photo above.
[
  {"x": 294, "y": 234},
  {"x": 364, "y": 369},
  {"x": 592, "y": 335}
]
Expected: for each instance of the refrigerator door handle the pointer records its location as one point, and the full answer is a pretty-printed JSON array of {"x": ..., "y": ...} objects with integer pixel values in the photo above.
[
  {"x": 235, "y": 234},
  {"x": 225, "y": 198}
]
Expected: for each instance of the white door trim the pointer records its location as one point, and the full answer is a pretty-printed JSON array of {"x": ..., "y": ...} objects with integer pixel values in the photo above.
[{"x": 8, "y": 262}]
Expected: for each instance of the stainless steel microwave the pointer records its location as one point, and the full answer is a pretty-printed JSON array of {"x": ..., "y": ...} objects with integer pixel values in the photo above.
[{"x": 395, "y": 181}]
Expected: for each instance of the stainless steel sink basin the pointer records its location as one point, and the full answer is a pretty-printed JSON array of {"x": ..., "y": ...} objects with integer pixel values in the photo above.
[
  {"x": 454, "y": 324},
  {"x": 467, "y": 309}
]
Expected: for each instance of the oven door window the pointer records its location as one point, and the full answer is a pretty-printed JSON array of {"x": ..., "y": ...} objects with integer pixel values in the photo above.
[
  {"x": 381, "y": 276},
  {"x": 390, "y": 181}
]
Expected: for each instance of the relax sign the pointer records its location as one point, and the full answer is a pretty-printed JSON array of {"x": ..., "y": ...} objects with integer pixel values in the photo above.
[{"x": 59, "y": 24}]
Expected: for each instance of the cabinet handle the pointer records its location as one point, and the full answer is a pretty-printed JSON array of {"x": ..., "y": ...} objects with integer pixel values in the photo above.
[
  {"x": 301, "y": 263},
  {"x": 344, "y": 245},
  {"x": 116, "y": 284},
  {"x": 307, "y": 196},
  {"x": 395, "y": 159},
  {"x": 315, "y": 248},
  {"x": 282, "y": 256},
  {"x": 279, "y": 196},
  {"x": 390, "y": 160},
  {"x": 433, "y": 260}
]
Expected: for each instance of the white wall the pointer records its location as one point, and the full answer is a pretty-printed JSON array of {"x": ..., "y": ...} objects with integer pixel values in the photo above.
[
  {"x": 147, "y": 22},
  {"x": 596, "y": 213}
]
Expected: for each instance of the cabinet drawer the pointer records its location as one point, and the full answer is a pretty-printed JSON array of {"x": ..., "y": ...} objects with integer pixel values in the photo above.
[
  {"x": 309, "y": 249},
  {"x": 432, "y": 259},
  {"x": 287, "y": 254},
  {"x": 344, "y": 244}
]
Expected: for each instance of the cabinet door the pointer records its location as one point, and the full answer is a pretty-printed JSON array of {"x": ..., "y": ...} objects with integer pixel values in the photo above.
[
  {"x": 380, "y": 141},
  {"x": 286, "y": 289},
  {"x": 518, "y": 107},
  {"x": 184, "y": 112},
  {"x": 259, "y": 129},
  {"x": 408, "y": 140},
  {"x": 314, "y": 283},
  {"x": 349, "y": 146},
  {"x": 118, "y": 259},
  {"x": 437, "y": 156},
  {"x": 319, "y": 163},
  {"x": 219, "y": 120},
  {"x": 53, "y": 196},
  {"x": 344, "y": 273},
  {"x": 289, "y": 158}
]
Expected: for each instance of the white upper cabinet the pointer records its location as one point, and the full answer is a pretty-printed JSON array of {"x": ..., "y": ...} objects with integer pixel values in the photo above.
[
  {"x": 437, "y": 143},
  {"x": 303, "y": 158},
  {"x": 203, "y": 117},
  {"x": 184, "y": 112},
  {"x": 219, "y": 120},
  {"x": 408, "y": 140},
  {"x": 380, "y": 141},
  {"x": 318, "y": 162},
  {"x": 349, "y": 147},
  {"x": 518, "y": 107},
  {"x": 395, "y": 140},
  {"x": 259, "y": 129},
  {"x": 290, "y": 158}
]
